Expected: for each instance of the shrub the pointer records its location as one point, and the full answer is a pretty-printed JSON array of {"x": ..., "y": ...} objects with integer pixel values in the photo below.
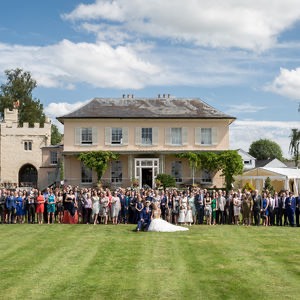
[
  {"x": 248, "y": 186},
  {"x": 166, "y": 180}
]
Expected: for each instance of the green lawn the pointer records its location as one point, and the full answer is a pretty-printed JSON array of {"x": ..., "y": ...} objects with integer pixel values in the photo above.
[{"x": 114, "y": 262}]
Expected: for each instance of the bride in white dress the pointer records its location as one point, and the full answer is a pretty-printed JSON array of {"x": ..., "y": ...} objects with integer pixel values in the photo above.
[{"x": 160, "y": 225}]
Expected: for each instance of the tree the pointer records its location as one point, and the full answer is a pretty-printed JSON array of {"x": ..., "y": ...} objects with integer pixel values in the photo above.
[
  {"x": 209, "y": 161},
  {"x": 18, "y": 89},
  {"x": 166, "y": 180},
  {"x": 97, "y": 160},
  {"x": 231, "y": 164},
  {"x": 192, "y": 157},
  {"x": 194, "y": 161},
  {"x": 265, "y": 149},
  {"x": 248, "y": 187},
  {"x": 56, "y": 136},
  {"x": 205, "y": 160},
  {"x": 294, "y": 145},
  {"x": 268, "y": 186}
]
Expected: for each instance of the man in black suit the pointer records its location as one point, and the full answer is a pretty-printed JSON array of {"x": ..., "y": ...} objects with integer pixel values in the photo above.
[
  {"x": 290, "y": 206},
  {"x": 297, "y": 212},
  {"x": 145, "y": 219},
  {"x": 2, "y": 205}
]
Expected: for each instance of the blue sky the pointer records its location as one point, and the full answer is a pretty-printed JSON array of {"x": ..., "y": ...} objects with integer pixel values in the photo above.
[{"x": 241, "y": 57}]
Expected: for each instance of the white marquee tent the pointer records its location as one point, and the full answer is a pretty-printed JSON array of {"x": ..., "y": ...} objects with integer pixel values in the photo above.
[{"x": 285, "y": 178}]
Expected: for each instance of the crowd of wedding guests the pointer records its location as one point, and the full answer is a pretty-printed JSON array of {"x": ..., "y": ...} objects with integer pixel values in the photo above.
[{"x": 73, "y": 205}]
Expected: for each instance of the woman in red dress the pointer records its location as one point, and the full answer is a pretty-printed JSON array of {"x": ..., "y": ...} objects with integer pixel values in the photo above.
[{"x": 40, "y": 204}]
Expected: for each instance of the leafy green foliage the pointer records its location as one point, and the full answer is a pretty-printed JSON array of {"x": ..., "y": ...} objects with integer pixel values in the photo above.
[
  {"x": 201, "y": 160},
  {"x": 166, "y": 180},
  {"x": 210, "y": 161},
  {"x": 193, "y": 158},
  {"x": 294, "y": 145},
  {"x": 230, "y": 162},
  {"x": 231, "y": 165},
  {"x": 19, "y": 87},
  {"x": 56, "y": 136},
  {"x": 248, "y": 187},
  {"x": 98, "y": 160},
  {"x": 265, "y": 149},
  {"x": 268, "y": 186}
]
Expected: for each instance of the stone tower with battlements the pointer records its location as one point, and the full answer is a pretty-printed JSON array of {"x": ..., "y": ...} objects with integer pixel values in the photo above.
[{"x": 20, "y": 150}]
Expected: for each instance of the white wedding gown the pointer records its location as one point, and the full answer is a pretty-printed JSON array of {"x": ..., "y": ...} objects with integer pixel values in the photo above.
[{"x": 160, "y": 225}]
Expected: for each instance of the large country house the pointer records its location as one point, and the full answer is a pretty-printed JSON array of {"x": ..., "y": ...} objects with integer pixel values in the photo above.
[{"x": 147, "y": 134}]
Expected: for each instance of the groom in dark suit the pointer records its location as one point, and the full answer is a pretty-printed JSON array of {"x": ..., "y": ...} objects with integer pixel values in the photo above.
[{"x": 145, "y": 219}]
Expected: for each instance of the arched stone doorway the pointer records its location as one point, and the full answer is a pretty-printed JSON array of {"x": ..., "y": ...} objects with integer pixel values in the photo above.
[{"x": 28, "y": 176}]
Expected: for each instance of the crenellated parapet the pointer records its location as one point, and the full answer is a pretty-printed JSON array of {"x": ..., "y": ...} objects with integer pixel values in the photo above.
[
  {"x": 10, "y": 126},
  {"x": 11, "y": 120}
]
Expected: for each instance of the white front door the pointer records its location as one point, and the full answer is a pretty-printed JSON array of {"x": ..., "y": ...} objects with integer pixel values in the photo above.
[{"x": 146, "y": 170}]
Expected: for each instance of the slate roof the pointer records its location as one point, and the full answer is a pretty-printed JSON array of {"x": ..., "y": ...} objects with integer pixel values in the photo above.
[
  {"x": 159, "y": 108},
  {"x": 264, "y": 162}
]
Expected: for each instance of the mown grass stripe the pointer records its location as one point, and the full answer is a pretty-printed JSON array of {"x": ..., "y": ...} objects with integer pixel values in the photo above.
[{"x": 114, "y": 262}]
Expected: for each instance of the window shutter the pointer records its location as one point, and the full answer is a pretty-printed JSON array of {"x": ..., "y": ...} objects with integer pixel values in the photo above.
[
  {"x": 94, "y": 136},
  {"x": 198, "y": 136},
  {"x": 184, "y": 136},
  {"x": 77, "y": 136},
  {"x": 107, "y": 136},
  {"x": 125, "y": 136},
  {"x": 168, "y": 136},
  {"x": 155, "y": 136},
  {"x": 138, "y": 135},
  {"x": 214, "y": 138}
]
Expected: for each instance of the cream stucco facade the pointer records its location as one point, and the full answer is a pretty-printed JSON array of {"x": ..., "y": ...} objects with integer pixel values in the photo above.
[
  {"x": 221, "y": 138},
  {"x": 147, "y": 146}
]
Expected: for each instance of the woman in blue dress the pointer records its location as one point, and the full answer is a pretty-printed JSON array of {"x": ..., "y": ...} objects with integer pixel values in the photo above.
[
  {"x": 51, "y": 207},
  {"x": 20, "y": 209},
  {"x": 264, "y": 209}
]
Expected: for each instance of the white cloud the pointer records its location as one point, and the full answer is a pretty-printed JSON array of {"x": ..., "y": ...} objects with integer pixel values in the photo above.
[
  {"x": 152, "y": 43},
  {"x": 110, "y": 10},
  {"x": 244, "y": 132},
  {"x": 244, "y": 108},
  {"x": 54, "y": 110},
  {"x": 286, "y": 84},
  {"x": 252, "y": 25},
  {"x": 67, "y": 63},
  {"x": 131, "y": 66},
  {"x": 105, "y": 33}
]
